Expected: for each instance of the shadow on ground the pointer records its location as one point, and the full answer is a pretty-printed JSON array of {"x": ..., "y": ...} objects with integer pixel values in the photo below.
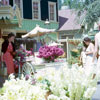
[{"x": 2, "y": 80}]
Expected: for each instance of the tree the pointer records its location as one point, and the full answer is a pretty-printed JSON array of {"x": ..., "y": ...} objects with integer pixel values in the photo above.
[
  {"x": 60, "y": 4},
  {"x": 91, "y": 9}
]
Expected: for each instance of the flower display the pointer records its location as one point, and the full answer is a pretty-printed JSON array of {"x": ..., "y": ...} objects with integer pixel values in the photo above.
[
  {"x": 24, "y": 53},
  {"x": 68, "y": 83},
  {"x": 51, "y": 84},
  {"x": 21, "y": 89},
  {"x": 50, "y": 53}
]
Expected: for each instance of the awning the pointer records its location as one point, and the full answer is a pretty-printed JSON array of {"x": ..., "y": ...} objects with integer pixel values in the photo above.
[{"x": 38, "y": 31}]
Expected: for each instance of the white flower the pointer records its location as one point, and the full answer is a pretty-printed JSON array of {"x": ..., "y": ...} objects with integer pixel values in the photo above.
[
  {"x": 89, "y": 92},
  {"x": 65, "y": 84},
  {"x": 53, "y": 97}
]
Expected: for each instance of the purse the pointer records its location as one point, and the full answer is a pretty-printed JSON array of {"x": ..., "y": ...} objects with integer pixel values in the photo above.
[{"x": 3, "y": 69}]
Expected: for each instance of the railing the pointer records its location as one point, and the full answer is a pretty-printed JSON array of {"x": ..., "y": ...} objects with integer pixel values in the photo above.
[
  {"x": 5, "y": 12},
  {"x": 8, "y": 12}
]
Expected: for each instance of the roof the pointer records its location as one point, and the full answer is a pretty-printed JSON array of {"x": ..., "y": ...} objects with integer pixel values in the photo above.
[
  {"x": 28, "y": 25},
  {"x": 67, "y": 20}
]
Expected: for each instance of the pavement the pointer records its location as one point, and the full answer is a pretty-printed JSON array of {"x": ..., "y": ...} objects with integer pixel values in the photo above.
[
  {"x": 2, "y": 80},
  {"x": 96, "y": 95}
]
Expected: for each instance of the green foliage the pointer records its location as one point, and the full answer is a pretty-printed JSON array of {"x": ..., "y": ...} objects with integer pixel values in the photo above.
[
  {"x": 91, "y": 9},
  {"x": 47, "y": 83},
  {"x": 93, "y": 13},
  {"x": 60, "y": 4},
  {"x": 73, "y": 60}
]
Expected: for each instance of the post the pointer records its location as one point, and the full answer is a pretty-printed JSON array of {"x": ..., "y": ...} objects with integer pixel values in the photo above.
[
  {"x": 67, "y": 47},
  {"x": 0, "y": 45},
  {"x": 0, "y": 33},
  {"x": 57, "y": 35}
]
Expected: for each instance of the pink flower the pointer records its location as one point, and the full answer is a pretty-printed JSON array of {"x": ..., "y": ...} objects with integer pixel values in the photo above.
[{"x": 50, "y": 52}]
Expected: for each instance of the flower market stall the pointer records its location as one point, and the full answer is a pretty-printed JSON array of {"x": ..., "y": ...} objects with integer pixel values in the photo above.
[
  {"x": 30, "y": 62},
  {"x": 70, "y": 45},
  {"x": 72, "y": 50},
  {"x": 50, "y": 55}
]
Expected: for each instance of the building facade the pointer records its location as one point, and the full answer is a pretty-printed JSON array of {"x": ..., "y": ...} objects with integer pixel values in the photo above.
[
  {"x": 37, "y": 9},
  {"x": 35, "y": 12}
]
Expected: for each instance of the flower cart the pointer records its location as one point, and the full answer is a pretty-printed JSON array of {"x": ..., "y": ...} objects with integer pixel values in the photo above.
[{"x": 23, "y": 62}]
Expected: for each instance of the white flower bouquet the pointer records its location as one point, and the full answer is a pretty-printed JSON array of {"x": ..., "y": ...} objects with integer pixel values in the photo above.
[
  {"x": 21, "y": 89},
  {"x": 62, "y": 84}
]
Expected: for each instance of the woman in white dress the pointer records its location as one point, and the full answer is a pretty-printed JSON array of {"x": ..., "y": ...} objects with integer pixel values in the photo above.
[{"x": 89, "y": 55}]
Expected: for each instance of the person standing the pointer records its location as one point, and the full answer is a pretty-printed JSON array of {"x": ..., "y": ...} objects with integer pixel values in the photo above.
[
  {"x": 8, "y": 50},
  {"x": 89, "y": 55}
]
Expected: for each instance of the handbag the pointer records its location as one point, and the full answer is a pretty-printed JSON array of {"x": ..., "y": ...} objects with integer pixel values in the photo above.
[{"x": 3, "y": 69}]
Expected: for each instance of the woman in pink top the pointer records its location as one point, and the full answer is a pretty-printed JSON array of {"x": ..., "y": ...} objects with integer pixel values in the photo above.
[{"x": 8, "y": 50}]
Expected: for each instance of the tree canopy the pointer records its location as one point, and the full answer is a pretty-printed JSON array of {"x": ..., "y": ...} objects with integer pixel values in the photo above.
[{"x": 91, "y": 8}]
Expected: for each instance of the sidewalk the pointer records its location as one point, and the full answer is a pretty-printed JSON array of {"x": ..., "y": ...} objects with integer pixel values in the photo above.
[{"x": 2, "y": 80}]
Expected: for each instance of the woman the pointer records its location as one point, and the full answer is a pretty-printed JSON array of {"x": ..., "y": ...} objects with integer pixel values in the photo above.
[
  {"x": 8, "y": 50},
  {"x": 89, "y": 55}
]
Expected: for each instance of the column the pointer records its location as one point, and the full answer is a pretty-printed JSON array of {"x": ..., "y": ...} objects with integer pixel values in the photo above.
[{"x": 0, "y": 33}]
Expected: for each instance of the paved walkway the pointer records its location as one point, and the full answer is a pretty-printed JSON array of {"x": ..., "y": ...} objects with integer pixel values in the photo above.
[
  {"x": 2, "y": 80},
  {"x": 96, "y": 95}
]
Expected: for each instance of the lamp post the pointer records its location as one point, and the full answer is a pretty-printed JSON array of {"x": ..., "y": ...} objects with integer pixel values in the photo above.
[{"x": 47, "y": 23}]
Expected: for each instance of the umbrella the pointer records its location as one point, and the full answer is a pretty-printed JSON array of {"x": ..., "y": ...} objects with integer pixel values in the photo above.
[
  {"x": 55, "y": 44},
  {"x": 37, "y": 31}
]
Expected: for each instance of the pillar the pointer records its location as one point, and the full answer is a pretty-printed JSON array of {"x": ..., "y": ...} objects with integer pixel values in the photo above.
[{"x": 0, "y": 33}]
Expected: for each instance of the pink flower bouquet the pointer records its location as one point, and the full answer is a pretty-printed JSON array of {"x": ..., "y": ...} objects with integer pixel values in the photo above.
[
  {"x": 24, "y": 53},
  {"x": 50, "y": 53}
]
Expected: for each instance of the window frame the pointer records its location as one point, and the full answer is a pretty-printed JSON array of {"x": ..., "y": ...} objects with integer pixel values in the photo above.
[
  {"x": 55, "y": 13},
  {"x": 4, "y": 2},
  {"x": 21, "y": 6},
  {"x": 39, "y": 12}
]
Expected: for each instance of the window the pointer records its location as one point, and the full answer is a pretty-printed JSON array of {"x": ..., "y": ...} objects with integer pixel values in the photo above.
[
  {"x": 36, "y": 9},
  {"x": 20, "y": 5},
  {"x": 17, "y": 2},
  {"x": 5, "y": 2},
  {"x": 52, "y": 11}
]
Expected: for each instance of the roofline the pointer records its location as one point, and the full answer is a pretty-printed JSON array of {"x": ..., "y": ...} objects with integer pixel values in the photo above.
[{"x": 68, "y": 30}]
